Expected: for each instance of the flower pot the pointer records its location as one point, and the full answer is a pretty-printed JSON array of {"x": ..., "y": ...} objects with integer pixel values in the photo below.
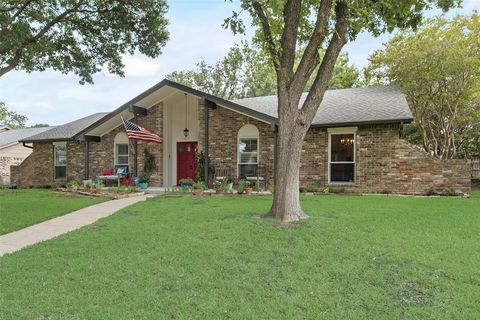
[
  {"x": 143, "y": 185},
  {"x": 198, "y": 192},
  {"x": 248, "y": 190}
]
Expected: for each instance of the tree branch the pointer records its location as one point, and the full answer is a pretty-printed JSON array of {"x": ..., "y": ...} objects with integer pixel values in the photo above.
[
  {"x": 310, "y": 56},
  {"x": 320, "y": 84},
  {"x": 267, "y": 33},
  {"x": 292, "y": 14}
]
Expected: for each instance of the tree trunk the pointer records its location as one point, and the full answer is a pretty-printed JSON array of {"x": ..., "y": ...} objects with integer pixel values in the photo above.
[{"x": 286, "y": 199}]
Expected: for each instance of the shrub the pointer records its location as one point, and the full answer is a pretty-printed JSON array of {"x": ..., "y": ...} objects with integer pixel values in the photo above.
[
  {"x": 431, "y": 192},
  {"x": 449, "y": 192},
  {"x": 257, "y": 187},
  {"x": 386, "y": 191}
]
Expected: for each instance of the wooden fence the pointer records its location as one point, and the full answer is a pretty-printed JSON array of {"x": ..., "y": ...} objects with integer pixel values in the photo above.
[{"x": 476, "y": 166}]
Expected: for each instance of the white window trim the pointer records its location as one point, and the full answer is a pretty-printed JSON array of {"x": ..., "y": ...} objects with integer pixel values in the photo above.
[
  {"x": 336, "y": 131},
  {"x": 247, "y": 136},
  {"x": 120, "y": 139},
  {"x": 115, "y": 160},
  {"x": 64, "y": 144}
]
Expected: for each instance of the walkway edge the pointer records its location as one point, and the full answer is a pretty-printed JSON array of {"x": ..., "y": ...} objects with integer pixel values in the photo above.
[{"x": 52, "y": 228}]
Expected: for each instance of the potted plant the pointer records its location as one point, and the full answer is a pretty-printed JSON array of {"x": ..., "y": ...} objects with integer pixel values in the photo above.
[
  {"x": 241, "y": 186},
  {"x": 144, "y": 180},
  {"x": 185, "y": 182},
  {"x": 248, "y": 187},
  {"x": 198, "y": 188},
  {"x": 218, "y": 186},
  {"x": 256, "y": 187},
  {"x": 229, "y": 184}
]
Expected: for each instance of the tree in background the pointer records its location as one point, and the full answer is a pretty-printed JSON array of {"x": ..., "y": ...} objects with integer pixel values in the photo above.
[
  {"x": 39, "y": 125},
  {"x": 78, "y": 36},
  {"x": 246, "y": 71},
  {"x": 438, "y": 68},
  {"x": 283, "y": 26},
  {"x": 10, "y": 118}
]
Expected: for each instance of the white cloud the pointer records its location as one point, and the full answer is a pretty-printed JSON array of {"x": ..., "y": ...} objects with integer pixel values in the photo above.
[{"x": 140, "y": 67}]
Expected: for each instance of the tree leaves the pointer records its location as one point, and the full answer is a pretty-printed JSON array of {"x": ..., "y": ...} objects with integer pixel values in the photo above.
[
  {"x": 438, "y": 68},
  {"x": 79, "y": 36}
]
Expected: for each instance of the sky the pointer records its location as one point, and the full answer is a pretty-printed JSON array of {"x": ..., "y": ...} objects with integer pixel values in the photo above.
[{"x": 195, "y": 34}]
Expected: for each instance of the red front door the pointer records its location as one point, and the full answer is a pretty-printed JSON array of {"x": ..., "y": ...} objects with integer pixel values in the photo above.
[{"x": 186, "y": 160}]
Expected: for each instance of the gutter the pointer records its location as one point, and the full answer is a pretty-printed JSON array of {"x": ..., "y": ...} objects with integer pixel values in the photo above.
[{"x": 23, "y": 143}]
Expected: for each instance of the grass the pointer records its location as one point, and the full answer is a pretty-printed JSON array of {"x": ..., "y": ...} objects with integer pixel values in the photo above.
[
  {"x": 25, "y": 207},
  {"x": 368, "y": 257}
]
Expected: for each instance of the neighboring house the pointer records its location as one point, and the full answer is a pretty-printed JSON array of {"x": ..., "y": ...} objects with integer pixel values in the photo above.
[
  {"x": 12, "y": 151},
  {"x": 354, "y": 142}
]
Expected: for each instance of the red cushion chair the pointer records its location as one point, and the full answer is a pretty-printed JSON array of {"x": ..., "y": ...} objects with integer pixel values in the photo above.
[{"x": 107, "y": 172}]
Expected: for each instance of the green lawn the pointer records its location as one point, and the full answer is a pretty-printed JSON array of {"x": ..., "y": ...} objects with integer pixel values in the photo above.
[
  {"x": 25, "y": 207},
  {"x": 369, "y": 257}
]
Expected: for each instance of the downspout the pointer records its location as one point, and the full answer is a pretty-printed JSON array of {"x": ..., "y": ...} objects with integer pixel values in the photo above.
[{"x": 26, "y": 146}]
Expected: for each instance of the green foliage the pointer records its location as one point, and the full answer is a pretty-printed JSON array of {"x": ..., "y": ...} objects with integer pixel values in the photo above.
[
  {"x": 39, "y": 125},
  {"x": 242, "y": 184},
  {"x": 79, "y": 36},
  {"x": 200, "y": 165},
  {"x": 247, "y": 72},
  {"x": 386, "y": 191},
  {"x": 431, "y": 192},
  {"x": 199, "y": 185},
  {"x": 11, "y": 118},
  {"x": 438, "y": 68},
  {"x": 449, "y": 192},
  {"x": 150, "y": 164}
]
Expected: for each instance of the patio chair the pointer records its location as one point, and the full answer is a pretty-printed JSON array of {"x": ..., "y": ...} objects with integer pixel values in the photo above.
[
  {"x": 222, "y": 173},
  {"x": 260, "y": 175}
]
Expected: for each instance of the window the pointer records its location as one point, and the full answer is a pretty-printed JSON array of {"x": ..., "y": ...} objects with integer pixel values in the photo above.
[
  {"x": 60, "y": 160},
  {"x": 342, "y": 157},
  {"x": 121, "y": 150},
  {"x": 247, "y": 151}
]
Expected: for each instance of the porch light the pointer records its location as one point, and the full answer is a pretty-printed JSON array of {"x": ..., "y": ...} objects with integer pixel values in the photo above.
[{"x": 186, "y": 131}]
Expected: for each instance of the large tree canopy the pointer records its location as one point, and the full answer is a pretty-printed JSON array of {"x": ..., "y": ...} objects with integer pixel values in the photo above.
[
  {"x": 246, "y": 71},
  {"x": 78, "y": 36},
  {"x": 438, "y": 68},
  {"x": 10, "y": 118},
  {"x": 283, "y": 26}
]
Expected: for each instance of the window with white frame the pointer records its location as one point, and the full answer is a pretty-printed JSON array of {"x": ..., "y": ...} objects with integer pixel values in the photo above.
[
  {"x": 341, "y": 159},
  {"x": 248, "y": 146},
  {"x": 60, "y": 160},
  {"x": 121, "y": 150}
]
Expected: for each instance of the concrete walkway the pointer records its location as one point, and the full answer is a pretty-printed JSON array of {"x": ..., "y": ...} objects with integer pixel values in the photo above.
[{"x": 49, "y": 229}]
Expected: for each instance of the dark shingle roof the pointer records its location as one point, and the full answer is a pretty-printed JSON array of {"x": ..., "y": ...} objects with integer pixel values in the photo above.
[
  {"x": 347, "y": 106},
  {"x": 66, "y": 131},
  {"x": 15, "y": 135}
]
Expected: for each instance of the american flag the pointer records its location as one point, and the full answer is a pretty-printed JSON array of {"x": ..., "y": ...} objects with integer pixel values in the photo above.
[{"x": 136, "y": 132}]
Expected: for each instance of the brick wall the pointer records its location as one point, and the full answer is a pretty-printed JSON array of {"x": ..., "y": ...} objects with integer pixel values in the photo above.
[
  {"x": 37, "y": 169},
  {"x": 224, "y": 125},
  {"x": 383, "y": 160}
]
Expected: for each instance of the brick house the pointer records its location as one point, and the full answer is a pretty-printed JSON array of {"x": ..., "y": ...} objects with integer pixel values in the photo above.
[{"x": 354, "y": 142}]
